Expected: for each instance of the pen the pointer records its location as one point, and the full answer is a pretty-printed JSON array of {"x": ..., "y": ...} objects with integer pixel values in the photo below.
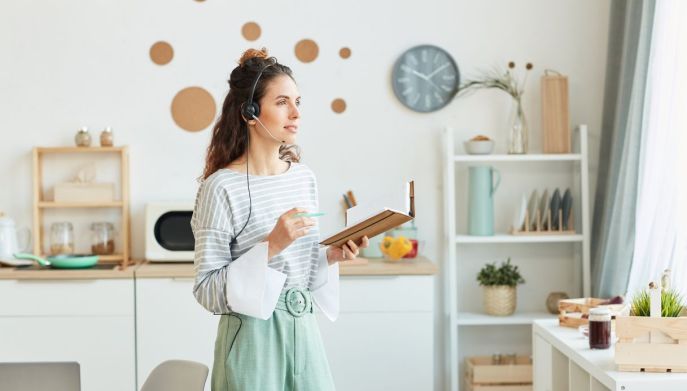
[{"x": 315, "y": 214}]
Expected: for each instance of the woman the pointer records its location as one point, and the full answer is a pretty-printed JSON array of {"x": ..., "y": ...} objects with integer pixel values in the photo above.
[{"x": 257, "y": 257}]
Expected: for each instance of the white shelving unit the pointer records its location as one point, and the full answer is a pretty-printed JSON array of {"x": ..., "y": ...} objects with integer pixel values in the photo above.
[{"x": 460, "y": 318}]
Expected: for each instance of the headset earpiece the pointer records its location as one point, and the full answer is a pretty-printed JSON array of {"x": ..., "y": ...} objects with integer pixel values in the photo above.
[{"x": 250, "y": 110}]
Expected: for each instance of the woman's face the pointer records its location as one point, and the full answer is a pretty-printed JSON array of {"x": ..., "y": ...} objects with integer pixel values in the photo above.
[{"x": 279, "y": 110}]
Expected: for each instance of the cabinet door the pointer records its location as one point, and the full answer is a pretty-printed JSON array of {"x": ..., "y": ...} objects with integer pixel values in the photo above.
[
  {"x": 90, "y": 322},
  {"x": 172, "y": 325},
  {"x": 541, "y": 365},
  {"x": 384, "y": 336}
]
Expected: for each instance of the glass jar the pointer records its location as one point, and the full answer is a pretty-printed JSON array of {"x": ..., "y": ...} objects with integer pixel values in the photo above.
[
  {"x": 106, "y": 138},
  {"x": 102, "y": 238},
  {"x": 61, "y": 238},
  {"x": 599, "y": 328},
  {"x": 83, "y": 138}
]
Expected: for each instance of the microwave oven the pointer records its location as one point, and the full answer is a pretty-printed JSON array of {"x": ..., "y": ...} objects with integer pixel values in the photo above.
[{"x": 168, "y": 234}]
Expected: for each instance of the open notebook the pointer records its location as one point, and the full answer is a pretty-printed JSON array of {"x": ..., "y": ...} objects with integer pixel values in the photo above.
[{"x": 370, "y": 221}]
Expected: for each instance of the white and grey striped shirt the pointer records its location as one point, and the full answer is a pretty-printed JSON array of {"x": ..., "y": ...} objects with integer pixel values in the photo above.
[{"x": 221, "y": 209}]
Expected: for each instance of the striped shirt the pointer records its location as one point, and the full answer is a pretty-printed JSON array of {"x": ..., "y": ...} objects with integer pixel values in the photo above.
[{"x": 221, "y": 209}]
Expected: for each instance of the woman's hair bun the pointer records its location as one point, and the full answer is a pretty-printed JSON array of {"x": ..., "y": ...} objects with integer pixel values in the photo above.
[{"x": 253, "y": 53}]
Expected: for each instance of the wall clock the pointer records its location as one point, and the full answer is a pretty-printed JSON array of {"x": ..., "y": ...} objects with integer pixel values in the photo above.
[{"x": 425, "y": 78}]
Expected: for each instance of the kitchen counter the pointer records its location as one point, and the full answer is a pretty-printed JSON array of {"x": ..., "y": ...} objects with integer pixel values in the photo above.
[
  {"x": 34, "y": 273},
  {"x": 417, "y": 266},
  {"x": 143, "y": 269}
]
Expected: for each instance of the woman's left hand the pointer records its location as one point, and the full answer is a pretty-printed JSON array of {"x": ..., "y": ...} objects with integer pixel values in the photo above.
[{"x": 346, "y": 252}]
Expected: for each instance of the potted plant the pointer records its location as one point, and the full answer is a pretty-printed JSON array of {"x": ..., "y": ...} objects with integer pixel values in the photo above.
[{"x": 499, "y": 287}]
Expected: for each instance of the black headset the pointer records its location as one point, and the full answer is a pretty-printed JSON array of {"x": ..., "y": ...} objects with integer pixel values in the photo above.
[{"x": 249, "y": 110}]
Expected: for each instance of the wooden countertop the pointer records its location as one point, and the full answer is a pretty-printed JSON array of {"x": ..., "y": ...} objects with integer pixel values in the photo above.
[
  {"x": 142, "y": 269},
  {"x": 11, "y": 273},
  {"x": 417, "y": 266}
]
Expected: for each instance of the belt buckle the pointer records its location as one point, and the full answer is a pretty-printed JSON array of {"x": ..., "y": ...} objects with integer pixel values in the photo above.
[{"x": 296, "y": 302}]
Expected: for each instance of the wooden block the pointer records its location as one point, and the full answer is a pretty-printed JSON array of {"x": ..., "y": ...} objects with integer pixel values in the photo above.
[
  {"x": 554, "y": 113},
  {"x": 84, "y": 192}
]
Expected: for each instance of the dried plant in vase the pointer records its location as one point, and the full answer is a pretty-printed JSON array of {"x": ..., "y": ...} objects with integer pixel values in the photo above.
[
  {"x": 514, "y": 86},
  {"x": 500, "y": 287}
]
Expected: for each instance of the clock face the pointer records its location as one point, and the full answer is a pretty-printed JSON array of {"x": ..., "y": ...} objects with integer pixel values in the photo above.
[{"x": 425, "y": 78}]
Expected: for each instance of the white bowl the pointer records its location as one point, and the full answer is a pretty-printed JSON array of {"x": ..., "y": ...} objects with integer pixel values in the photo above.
[{"x": 479, "y": 147}]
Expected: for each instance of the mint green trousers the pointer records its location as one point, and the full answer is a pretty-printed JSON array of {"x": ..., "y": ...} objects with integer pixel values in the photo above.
[{"x": 284, "y": 352}]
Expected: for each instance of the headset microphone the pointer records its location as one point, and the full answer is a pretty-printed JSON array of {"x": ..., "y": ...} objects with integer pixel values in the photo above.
[{"x": 268, "y": 131}]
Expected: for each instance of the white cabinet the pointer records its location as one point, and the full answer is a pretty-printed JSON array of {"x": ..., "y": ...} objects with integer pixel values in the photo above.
[
  {"x": 384, "y": 337},
  {"x": 564, "y": 362},
  {"x": 548, "y": 262},
  {"x": 87, "y": 321},
  {"x": 171, "y": 324}
]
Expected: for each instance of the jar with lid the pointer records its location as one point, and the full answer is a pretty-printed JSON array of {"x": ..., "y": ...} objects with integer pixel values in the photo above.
[
  {"x": 61, "y": 238},
  {"x": 106, "y": 138},
  {"x": 599, "y": 328},
  {"x": 102, "y": 238},
  {"x": 83, "y": 138}
]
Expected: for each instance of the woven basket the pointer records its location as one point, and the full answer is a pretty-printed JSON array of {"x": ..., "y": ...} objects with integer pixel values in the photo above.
[{"x": 499, "y": 300}]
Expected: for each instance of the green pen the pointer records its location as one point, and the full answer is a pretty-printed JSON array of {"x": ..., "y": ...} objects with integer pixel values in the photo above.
[{"x": 315, "y": 214}]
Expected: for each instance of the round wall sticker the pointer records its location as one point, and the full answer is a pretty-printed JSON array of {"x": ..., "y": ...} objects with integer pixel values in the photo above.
[
  {"x": 161, "y": 53},
  {"x": 193, "y": 109},
  {"x": 307, "y": 50},
  {"x": 251, "y": 31},
  {"x": 338, "y": 105}
]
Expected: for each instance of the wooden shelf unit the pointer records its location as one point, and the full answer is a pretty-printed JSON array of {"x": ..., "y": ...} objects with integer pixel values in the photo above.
[{"x": 39, "y": 205}]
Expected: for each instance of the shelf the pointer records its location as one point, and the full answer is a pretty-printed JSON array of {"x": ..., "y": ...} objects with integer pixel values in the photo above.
[
  {"x": 52, "y": 204},
  {"x": 506, "y": 238},
  {"x": 518, "y": 318},
  {"x": 78, "y": 149},
  {"x": 565, "y": 157}
]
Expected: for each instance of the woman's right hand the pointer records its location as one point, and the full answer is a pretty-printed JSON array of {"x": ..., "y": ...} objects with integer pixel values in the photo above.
[{"x": 287, "y": 230}]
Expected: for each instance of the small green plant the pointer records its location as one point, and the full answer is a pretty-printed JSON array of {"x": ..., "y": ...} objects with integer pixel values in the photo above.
[
  {"x": 506, "y": 274},
  {"x": 671, "y": 304}
]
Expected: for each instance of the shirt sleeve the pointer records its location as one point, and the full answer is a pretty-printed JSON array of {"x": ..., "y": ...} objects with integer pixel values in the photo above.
[
  {"x": 325, "y": 288},
  {"x": 246, "y": 284}
]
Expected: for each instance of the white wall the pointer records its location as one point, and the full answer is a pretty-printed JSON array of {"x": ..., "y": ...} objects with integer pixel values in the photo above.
[{"x": 73, "y": 63}]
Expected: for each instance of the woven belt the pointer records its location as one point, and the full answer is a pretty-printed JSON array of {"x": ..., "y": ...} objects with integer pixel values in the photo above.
[{"x": 296, "y": 301}]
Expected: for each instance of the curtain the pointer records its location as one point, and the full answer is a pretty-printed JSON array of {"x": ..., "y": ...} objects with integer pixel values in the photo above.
[
  {"x": 613, "y": 233},
  {"x": 661, "y": 239}
]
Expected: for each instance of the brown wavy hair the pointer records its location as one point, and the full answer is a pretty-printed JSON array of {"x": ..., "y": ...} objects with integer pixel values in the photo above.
[{"x": 230, "y": 133}]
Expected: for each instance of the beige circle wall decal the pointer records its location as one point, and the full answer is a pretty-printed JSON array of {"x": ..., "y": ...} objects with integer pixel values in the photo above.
[
  {"x": 338, "y": 105},
  {"x": 193, "y": 109},
  {"x": 251, "y": 31},
  {"x": 345, "y": 52},
  {"x": 161, "y": 53},
  {"x": 307, "y": 50}
]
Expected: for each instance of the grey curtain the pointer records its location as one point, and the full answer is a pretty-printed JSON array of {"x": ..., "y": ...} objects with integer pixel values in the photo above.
[{"x": 613, "y": 232}]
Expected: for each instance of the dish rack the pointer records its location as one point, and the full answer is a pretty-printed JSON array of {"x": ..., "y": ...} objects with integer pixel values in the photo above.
[{"x": 545, "y": 229}]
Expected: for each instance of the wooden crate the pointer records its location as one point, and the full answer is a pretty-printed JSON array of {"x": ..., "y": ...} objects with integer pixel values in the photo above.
[
  {"x": 648, "y": 344},
  {"x": 567, "y": 307},
  {"x": 482, "y": 375}
]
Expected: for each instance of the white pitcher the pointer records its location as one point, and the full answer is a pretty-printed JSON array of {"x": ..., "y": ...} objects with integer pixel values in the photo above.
[{"x": 9, "y": 238}]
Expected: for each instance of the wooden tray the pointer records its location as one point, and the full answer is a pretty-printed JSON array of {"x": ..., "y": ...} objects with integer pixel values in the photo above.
[
  {"x": 647, "y": 344},
  {"x": 482, "y": 375}
]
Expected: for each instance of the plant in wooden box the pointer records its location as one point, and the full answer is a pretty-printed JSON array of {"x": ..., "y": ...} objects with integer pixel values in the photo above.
[
  {"x": 654, "y": 337},
  {"x": 500, "y": 287}
]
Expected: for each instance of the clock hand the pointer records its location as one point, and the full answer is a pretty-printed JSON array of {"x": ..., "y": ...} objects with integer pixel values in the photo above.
[
  {"x": 437, "y": 70},
  {"x": 418, "y": 74}
]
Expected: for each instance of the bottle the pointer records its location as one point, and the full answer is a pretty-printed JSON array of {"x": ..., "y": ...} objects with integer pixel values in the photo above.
[
  {"x": 599, "y": 328},
  {"x": 106, "y": 138},
  {"x": 83, "y": 138}
]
